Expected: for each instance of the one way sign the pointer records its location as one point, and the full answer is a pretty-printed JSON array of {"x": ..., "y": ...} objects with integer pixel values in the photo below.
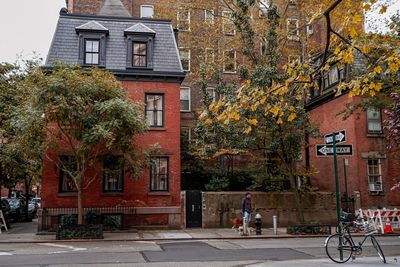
[
  {"x": 327, "y": 150},
  {"x": 339, "y": 136}
]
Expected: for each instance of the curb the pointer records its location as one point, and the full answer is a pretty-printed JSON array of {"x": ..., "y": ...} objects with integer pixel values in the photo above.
[{"x": 176, "y": 239}]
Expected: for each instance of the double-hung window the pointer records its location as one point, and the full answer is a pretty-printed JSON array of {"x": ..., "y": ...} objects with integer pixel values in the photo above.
[
  {"x": 185, "y": 98},
  {"x": 155, "y": 110},
  {"x": 68, "y": 168},
  {"x": 211, "y": 93},
  {"x": 159, "y": 174},
  {"x": 374, "y": 175},
  {"x": 92, "y": 51},
  {"x": 113, "y": 174},
  {"x": 229, "y": 65},
  {"x": 209, "y": 16},
  {"x": 139, "y": 54},
  {"x": 293, "y": 29},
  {"x": 374, "y": 121},
  {"x": 183, "y": 18},
  {"x": 146, "y": 11},
  {"x": 184, "y": 54},
  {"x": 228, "y": 28}
]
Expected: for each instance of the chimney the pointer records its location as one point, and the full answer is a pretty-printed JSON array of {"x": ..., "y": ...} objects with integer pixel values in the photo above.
[{"x": 70, "y": 6}]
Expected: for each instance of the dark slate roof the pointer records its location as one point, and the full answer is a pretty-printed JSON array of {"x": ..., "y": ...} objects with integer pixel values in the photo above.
[
  {"x": 65, "y": 45},
  {"x": 114, "y": 8}
]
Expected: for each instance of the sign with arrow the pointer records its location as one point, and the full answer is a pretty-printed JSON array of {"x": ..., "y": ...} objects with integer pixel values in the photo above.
[
  {"x": 340, "y": 137},
  {"x": 327, "y": 150}
]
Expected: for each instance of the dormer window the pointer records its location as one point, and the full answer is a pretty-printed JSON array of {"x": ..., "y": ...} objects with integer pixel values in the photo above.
[
  {"x": 92, "y": 52},
  {"x": 139, "y": 57},
  {"x": 140, "y": 46},
  {"x": 92, "y": 44}
]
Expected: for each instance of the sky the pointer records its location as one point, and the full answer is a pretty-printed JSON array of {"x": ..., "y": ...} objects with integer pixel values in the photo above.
[{"x": 27, "y": 26}]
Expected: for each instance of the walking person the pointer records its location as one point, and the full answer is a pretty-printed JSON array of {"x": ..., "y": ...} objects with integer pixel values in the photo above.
[{"x": 246, "y": 209}]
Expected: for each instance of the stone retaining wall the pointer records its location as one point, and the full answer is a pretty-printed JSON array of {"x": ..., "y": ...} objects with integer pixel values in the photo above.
[{"x": 220, "y": 207}]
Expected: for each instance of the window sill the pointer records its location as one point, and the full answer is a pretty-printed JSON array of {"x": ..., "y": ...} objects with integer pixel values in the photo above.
[
  {"x": 138, "y": 68},
  {"x": 160, "y": 193},
  {"x": 112, "y": 194},
  {"x": 186, "y": 111},
  {"x": 378, "y": 194},
  {"x": 230, "y": 72},
  {"x": 67, "y": 194},
  {"x": 375, "y": 135},
  {"x": 157, "y": 129}
]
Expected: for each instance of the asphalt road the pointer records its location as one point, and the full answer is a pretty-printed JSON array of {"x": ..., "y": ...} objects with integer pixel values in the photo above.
[{"x": 260, "y": 252}]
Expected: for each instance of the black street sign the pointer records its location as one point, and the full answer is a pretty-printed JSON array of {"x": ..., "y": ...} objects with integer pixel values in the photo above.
[
  {"x": 340, "y": 137},
  {"x": 327, "y": 150}
]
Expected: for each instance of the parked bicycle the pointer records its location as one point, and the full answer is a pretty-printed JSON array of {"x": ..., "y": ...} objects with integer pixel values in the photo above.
[{"x": 340, "y": 247}]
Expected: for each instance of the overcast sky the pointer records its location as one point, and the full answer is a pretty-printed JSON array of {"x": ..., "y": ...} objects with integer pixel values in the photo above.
[{"x": 28, "y": 25}]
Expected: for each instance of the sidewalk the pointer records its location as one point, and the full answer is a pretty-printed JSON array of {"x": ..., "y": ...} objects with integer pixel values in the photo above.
[{"x": 26, "y": 233}]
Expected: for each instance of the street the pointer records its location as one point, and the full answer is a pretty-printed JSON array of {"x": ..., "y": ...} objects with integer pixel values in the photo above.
[{"x": 241, "y": 252}]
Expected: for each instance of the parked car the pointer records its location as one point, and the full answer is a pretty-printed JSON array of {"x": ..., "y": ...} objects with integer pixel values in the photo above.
[
  {"x": 5, "y": 207},
  {"x": 36, "y": 202},
  {"x": 17, "y": 211}
]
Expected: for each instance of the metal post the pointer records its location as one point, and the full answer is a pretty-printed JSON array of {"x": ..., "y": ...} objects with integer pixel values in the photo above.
[
  {"x": 337, "y": 196},
  {"x": 275, "y": 224},
  {"x": 345, "y": 185}
]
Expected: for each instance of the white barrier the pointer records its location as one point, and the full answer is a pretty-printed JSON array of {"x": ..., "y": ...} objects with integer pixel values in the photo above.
[{"x": 379, "y": 217}]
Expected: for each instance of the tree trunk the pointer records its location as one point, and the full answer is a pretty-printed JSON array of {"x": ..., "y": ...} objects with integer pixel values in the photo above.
[
  {"x": 26, "y": 208},
  {"x": 80, "y": 207},
  {"x": 297, "y": 197}
]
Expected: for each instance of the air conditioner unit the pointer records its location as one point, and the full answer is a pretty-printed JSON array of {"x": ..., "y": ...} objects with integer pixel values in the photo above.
[{"x": 375, "y": 187}]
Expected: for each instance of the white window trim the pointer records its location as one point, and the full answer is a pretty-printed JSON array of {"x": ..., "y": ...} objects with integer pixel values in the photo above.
[
  {"x": 235, "y": 63},
  {"x": 293, "y": 36},
  {"x": 212, "y": 53},
  {"x": 291, "y": 57},
  {"x": 205, "y": 16},
  {"x": 190, "y": 98},
  {"x": 189, "y": 63},
  {"x": 152, "y": 7},
  {"x": 372, "y": 185},
  {"x": 310, "y": 29},
  {"x": 189, "y": 132},
  {"x": 225, "y": 20},
  {"x": 214, "y": 95},
  {"x": 188, "y": 20}
]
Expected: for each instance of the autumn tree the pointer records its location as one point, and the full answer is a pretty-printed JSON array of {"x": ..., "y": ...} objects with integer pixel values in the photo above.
[{"x": 84, "y": 114}]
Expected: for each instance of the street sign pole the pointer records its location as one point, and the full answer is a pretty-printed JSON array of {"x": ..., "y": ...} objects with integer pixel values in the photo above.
[
  {"x": 345, "y": 185},
  {"x": 337, "y": 196}
]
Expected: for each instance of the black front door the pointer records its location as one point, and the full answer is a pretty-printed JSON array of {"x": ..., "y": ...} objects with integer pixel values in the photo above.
[{"x": 193, "y": 208}]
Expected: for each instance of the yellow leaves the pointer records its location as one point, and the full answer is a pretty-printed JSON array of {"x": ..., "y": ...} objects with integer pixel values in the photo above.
[
  {"x": 378, "y": 87},
  {"x": 394, "y": 67},
  {"x": 208, "y": 121},
  {"x": 348, "y": 56},
  {"x": 248, "y": 130},
  {"x": 357, "y": 18},
  {"x": 292, "y": 117},
  {"x": 378, "y": 69},
  {"x": 279, "y": 121},
  {"x": 367, "y": 7},
  {"x": 365, "y": 80},
  {"x": 337, "y": 50},
  {"x": 275, "y": 110},
  {"x": 353, "y": 32},
  {"x": 252, "y": 122},
  {"x": 235, "y": 116},
  {"x": 254, "y": 107},
  {"x": 262, "y": 100},
  {"x": 366, "y": 49},
  {"x": 383, "y": 10}
]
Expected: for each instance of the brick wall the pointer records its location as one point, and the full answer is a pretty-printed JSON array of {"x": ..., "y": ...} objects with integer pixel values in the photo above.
[{"x": 220, "y": 207}]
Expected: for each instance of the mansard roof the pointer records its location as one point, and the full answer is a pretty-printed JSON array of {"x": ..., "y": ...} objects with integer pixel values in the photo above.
[{"x": 65, "y": 44}]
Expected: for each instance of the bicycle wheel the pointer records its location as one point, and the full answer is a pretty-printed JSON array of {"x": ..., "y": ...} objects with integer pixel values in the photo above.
[
  {"x": 378, "y": 248},
  {"x": 339, "y": 253}
]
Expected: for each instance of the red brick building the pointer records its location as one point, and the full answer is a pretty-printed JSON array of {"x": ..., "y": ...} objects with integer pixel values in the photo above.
[
  {"x": 143, "y": 55},
  {"x": 370, "y": 170}
]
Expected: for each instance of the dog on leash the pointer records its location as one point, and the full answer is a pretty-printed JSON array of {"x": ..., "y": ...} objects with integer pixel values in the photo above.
[{"x": 237, "y": 222}]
